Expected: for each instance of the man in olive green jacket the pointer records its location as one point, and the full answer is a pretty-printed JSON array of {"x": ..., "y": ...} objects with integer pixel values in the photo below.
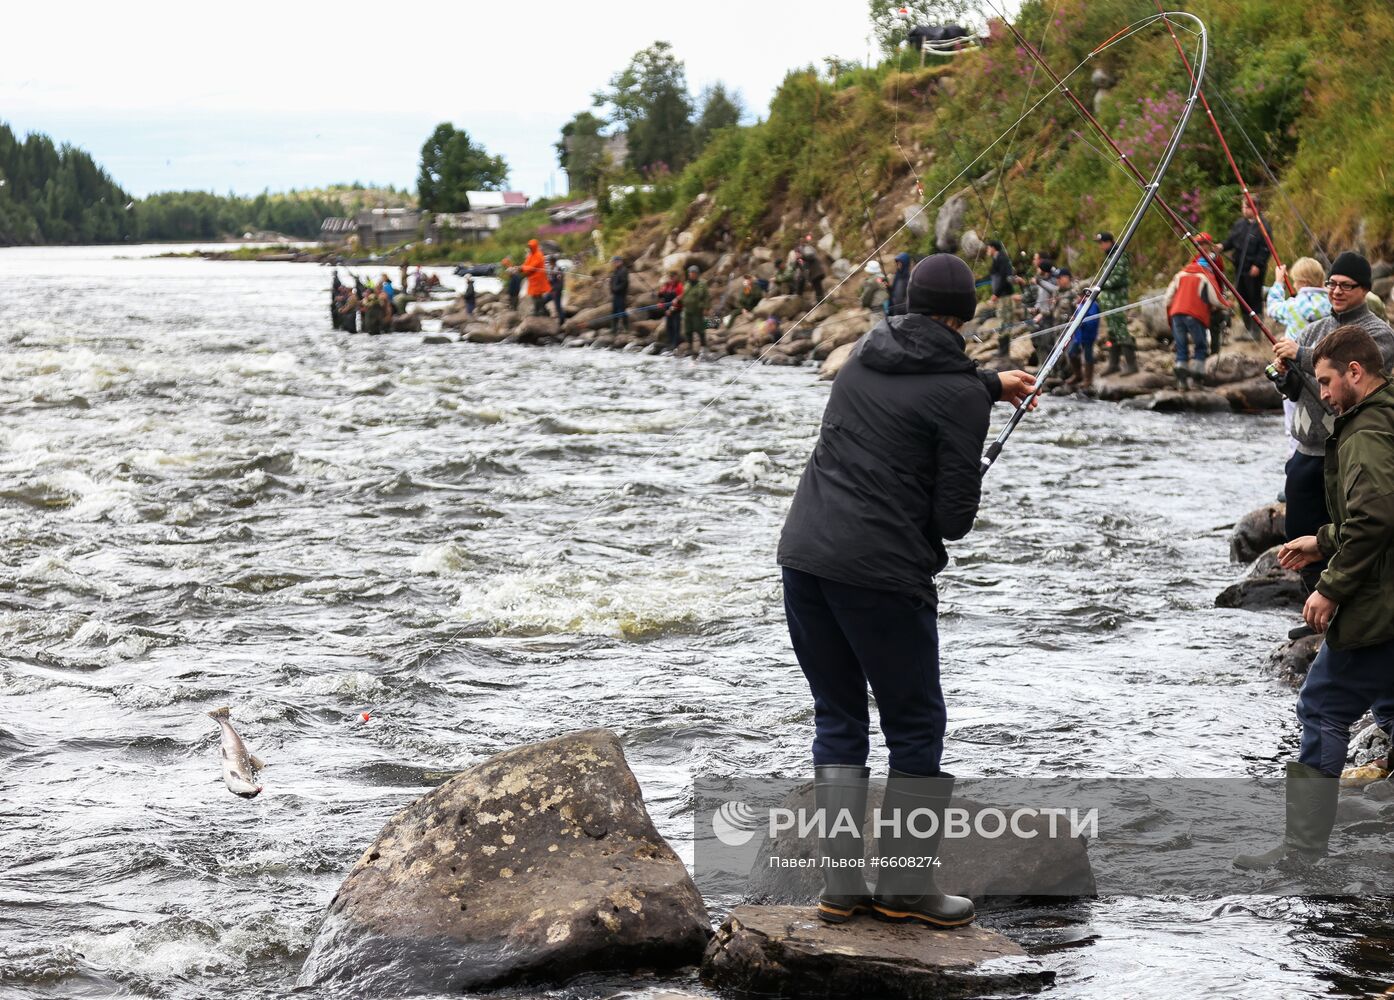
[
  {"x": 1353, "y": 603},
  {"x": 695, "y": 300}
]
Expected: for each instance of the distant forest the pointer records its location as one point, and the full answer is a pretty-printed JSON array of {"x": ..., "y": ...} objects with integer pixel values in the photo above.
[{"x": 58, "y": 194}]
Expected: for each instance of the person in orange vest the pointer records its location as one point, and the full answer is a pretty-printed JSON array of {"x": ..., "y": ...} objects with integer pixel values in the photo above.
[
  {"x": 1190, "y": 297},
  {"x": 535, "y": 271}
]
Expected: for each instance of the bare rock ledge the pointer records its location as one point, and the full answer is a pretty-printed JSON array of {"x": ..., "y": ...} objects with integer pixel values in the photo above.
[{"x": 788, "y": 951}]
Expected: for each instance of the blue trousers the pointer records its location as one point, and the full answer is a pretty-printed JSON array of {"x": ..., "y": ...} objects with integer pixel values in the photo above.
[
  {"x": 1305, "y": 489},
  {"x": 1188, "y": 328},
  {"x": 1341, "y": 685},
  {"x": 847, "y": 637}
]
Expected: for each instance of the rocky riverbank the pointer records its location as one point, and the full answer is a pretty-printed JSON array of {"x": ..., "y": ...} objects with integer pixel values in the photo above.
[{"x": 821, "y": 334}]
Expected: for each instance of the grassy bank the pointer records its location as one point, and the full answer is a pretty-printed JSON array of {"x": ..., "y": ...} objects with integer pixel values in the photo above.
[{"x": 1314, "y": 94}]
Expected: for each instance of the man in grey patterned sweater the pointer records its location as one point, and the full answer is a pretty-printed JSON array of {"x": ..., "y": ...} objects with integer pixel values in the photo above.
[{"x": 1312, "y": 423}]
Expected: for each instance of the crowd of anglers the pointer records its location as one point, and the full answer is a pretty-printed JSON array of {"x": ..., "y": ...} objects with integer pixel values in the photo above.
[{"x": 373, "y": 305}]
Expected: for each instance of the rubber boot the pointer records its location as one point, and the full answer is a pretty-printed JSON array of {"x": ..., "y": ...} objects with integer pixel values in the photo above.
[
  {"x": 1183, "y": 375},
  {"x": 1114, "y": 352},
  {"x": 1311, "y": 812},
  {"x": 1076, "y": 376},
  {"x": 1197, "y": 373},
  {"x": 839, "y": 791},
  {"x": 1087, "y": 386},
  {"x": 1129, "y": 359},
  {"x": 905, "y": 888}
]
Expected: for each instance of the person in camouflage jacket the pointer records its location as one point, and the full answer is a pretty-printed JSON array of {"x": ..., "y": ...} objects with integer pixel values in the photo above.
[
  {"x": 1113, "y": 294},
  {"x": 696, "y": 298}
]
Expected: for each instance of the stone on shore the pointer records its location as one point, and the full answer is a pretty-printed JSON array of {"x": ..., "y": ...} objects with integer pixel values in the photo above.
[
  {"x": 1114, "y": 388},
  {"x": 1254, "y": 395},
  {"x": 532, "y": 329},
  {"x": 1266, "y": 585},
  {"x": 1291, "y": 661},
  {"x": 1175, "y": 401},
  {"x": 833, "y": 363},
  {"x": 1233, "y": 366},
  {"x": 783, "y": 306},
  {"x": 534, "y": 865},
  {"x": 787, "y": 951},
  {"x": 1257, "y": 532}
]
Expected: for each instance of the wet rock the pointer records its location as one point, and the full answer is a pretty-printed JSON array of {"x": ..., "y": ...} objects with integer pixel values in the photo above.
[
  {"x": 788, "y": 951},
  {"x": 1291, "y": 661},
  {"x": 1266, "y": 585},
  {"x": 972, "y": 866},
  {"x": 406, "y": 323},
  {"x": 833, "y": 363},
  {"x": 1257, "y": 532},
  {"x": 1114, "y": 388},
  {"x": 1231, "y": 366},
  {"x": 536, "y": 864},
  {"x": 1255, "y": 395},
  {"x": 455, "y": 320},
  {"x": 533, "y": 329},
  {"x": 593, "y": 318},
  {"x": 483, "y": 333},
  {"x": 1174, "y": 401},
  {"x": 437, "y": 338},
  {"x": 1369, "y": 743}
]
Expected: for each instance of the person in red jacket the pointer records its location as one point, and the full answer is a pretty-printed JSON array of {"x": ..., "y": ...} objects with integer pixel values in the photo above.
[
  {"x": 535, "y": 271},
  {"x": 1190, "y": 297}
]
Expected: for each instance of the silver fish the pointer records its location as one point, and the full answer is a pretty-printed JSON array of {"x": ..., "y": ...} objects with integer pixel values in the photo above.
[{"x": 240, "y": 765}]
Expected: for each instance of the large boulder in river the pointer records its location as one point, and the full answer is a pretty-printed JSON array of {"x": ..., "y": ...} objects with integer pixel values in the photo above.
[
  {"x": 1257, "y": 532},
  {"x": 1266, "y": 585},
  {"x": 787, "y": 951},
  {"x": 536, "y": 864},
  {"x": 406, "y": 323}
]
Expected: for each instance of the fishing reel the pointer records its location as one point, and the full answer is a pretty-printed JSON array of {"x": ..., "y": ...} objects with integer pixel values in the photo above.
[{"x": 1285, "y": 380}]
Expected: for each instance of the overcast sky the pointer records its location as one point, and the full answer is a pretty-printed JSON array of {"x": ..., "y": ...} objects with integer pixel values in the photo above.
[{"x": 256, "y": 95}]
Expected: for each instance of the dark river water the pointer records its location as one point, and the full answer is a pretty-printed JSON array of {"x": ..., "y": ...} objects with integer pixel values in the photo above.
[{"x": 206, "y": 498}]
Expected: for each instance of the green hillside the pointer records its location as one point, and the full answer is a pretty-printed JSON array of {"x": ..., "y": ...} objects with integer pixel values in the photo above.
[{"x": 1314, "y": 96}]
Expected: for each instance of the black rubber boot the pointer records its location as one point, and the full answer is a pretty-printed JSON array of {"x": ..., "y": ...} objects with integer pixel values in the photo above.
[
  {"x": 905, "y": 887},
  {"x": 1183, "y": 376},
  {"x": 839, "y": 791},
  {"x": 1311, "y": 812},
  {"x": 1114, "y": 352},
  {"x": 1129, "y": 359}
]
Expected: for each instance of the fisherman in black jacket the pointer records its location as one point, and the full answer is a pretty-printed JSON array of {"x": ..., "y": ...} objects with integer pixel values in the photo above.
[
  {"x": 619, "y": 295},
  {"x": 896, "y": 471}
]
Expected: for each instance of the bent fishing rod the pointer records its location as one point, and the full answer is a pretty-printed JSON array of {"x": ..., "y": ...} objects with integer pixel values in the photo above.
[
  {"x": 1173, "y": 218},
  {"x": 1119, "y": 247},
  {"x": 1224, "y": 145}
]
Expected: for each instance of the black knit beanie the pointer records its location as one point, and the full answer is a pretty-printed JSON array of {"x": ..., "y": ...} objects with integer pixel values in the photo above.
[
  {"x": 1355, "y": 267},
  {"x": 942, "y": 285}
]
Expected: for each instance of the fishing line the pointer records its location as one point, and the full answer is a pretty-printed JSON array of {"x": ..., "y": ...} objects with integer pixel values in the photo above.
[
  {"x": 1002, "y": 170},
  {"x": 1059, "y": 85},
  {"x": 1317, "y": 244}
]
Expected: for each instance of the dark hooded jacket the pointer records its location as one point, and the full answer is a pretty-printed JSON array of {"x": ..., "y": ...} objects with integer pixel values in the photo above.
[
  {"x": 900, "y": 286},
  {"x": 897, "y": 467}
]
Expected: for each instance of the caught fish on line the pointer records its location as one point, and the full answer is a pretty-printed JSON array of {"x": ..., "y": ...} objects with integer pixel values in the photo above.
[{"x": 240, "y": 765}]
